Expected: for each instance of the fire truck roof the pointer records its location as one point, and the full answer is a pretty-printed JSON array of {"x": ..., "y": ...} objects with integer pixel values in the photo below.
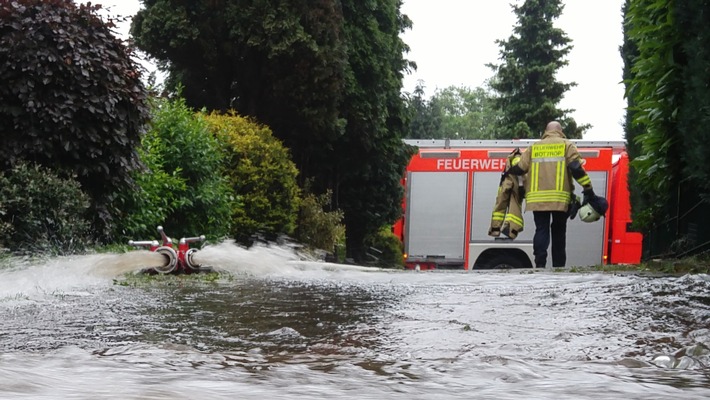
[{"x": 463, "y": 143}]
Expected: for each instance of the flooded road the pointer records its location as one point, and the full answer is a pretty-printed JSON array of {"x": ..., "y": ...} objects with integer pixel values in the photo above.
[{"x": 273, "y": 326}]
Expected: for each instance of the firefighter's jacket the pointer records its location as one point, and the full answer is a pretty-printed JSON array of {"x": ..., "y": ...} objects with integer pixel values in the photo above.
[
  {"x": 507, "y": 213},
  {"x": 547, "y": 163}
]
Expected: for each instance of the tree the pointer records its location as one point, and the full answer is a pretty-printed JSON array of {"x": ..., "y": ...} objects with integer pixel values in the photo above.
[
  {"x": 425, "y": 118},
  {"x": 279, "y": 62},
  {"x": 371, "y": 157},
  {"x": 528, "y": 91},
  {"x": 467, "y": 113},
  {"x": 324, "y": 75},
  {"x": 71, "y": 98}
]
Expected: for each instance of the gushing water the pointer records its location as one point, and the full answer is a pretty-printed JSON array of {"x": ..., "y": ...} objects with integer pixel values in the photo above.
[
  {"x": 287, "y": 326},
  {"x": 25, "y": 278},
  {"x": 265, "y": 259}
]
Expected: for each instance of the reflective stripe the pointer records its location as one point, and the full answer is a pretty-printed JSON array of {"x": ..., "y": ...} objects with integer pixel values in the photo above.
[
  {"x": 514, "y": 219},
  {"x": 539, "y": 193},
  {"x": 534, "y": 170},
  {"x": 498, "y": 216},
  {"x": 548, "y": 159},
  {"x": 585, "y": 180},
  {"x": 548, "y": 196},
  {"x": 560, "y": 177}
]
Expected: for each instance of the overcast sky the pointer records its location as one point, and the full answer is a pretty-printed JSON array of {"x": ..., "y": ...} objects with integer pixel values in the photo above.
[{"x": 452, "y": 40}]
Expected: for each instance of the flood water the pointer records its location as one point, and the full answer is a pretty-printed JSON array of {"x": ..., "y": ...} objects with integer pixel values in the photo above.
[{"x": 275, "y": 327}]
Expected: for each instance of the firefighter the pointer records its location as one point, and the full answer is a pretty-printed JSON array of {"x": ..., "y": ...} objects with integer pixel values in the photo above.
[
  {"x": 507, "y": 213},
  {"x": 550, "y": 165}
]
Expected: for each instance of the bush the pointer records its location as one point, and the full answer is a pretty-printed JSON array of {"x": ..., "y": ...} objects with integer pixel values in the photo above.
[
  {"x": 44, "y": 213},
  {"x": 385, "y": 249},
  {"x": 183, "y": 188},
  {"x": 318, "y": 228},
  {"x": 71, "y": 97},
  {"x": 5, "y": 227},
  {"x": 262, "y": 175}
]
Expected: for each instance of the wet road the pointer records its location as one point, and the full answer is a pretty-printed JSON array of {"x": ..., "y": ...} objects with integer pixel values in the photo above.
[{"x": 275, "y": 327}]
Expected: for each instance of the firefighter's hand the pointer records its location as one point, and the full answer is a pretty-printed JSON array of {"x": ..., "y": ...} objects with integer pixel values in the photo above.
[{"x": 588, "y": 195}]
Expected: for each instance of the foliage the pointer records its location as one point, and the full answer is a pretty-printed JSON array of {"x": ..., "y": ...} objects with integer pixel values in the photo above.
[
  {"x": 182, "y": 188},
  {"x": 71, "y": 97},
  {"x": 694, "y": 100},
  {"x": 279, "y": 62},
  {"x": 453, "y": 113},
  {"x": 371, "y": 158},
  {"x": 654, "y": 87},
  {"x": 529, "y": 92},
  {"x": 629, "y": 52},
  {"x": 5, "y": 226},
  {"x": 694, "y": 265},
  {"x": 261, "y": 174},
  {"x": 425, "y": 117},
  {"x": 316, "y": 227},
  {"x": 467, "y": 113},
  {"x": 44, "y": 213},
  {"x": 325, "y": 75},
  {"x": 386, "y": 249},
  {"x": 666, "y": 77}
]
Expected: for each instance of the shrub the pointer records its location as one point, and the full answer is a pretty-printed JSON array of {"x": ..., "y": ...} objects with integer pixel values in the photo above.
[
  {"x": 262, "y": 175},
  {"x": 385, "y": 249},
  {"x": 318, "y": 228},
  {"x": 183, "y": 187},
  {"x": 5, "y": 227},
  {"x": 44, "y": 213},
  {"x": 71, "y": 97}
]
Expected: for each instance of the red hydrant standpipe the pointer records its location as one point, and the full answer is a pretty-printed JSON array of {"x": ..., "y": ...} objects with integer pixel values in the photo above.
[{"x": 179, "y": 260}]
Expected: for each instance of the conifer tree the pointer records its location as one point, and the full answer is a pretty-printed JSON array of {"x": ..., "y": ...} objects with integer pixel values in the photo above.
[{"x": 528, "y": 90}]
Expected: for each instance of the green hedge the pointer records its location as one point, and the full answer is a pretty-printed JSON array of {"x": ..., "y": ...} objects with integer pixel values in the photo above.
[
  {"x": 42, "y": 212},
  {"x": 182, "y": 187},
  {"x": 318, "y": 228},
  {"x": 261, "y": 174}
]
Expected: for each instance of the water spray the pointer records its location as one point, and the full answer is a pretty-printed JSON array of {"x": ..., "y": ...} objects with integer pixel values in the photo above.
[{"x": 177, "y": 259}]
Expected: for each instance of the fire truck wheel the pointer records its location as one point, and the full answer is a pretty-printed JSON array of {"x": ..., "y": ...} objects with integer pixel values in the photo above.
[{"x": 504, "y": 261}]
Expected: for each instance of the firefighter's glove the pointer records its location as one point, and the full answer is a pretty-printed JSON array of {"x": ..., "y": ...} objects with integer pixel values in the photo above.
[
  {"x": 521, "y": 192},
  {"x": 515, "y": 170},
  {"x": 588, "y": 195}
]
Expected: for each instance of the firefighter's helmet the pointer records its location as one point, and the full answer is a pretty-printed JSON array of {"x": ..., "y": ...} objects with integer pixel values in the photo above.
[{"x": 593, "y": 209}]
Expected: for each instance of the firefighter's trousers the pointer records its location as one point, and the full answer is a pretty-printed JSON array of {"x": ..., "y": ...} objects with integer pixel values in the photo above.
[{"x": 507, "y": 213}]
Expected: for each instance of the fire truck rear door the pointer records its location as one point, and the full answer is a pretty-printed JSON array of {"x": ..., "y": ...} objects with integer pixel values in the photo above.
[{"x": 436, "y": 216}]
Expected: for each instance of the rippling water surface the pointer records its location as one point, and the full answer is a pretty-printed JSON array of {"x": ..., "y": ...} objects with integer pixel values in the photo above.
[{"x": 273, "y": 326}]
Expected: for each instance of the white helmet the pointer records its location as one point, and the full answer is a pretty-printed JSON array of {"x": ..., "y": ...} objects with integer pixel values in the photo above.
[
  {"x": 587, "y": 213},
  {"x": 593, "y": 209}
]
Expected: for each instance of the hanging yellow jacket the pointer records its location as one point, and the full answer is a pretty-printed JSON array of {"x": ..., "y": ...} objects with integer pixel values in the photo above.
[
  {"x": 551, "y": 164},
  {"x": 507, "y": 213}
]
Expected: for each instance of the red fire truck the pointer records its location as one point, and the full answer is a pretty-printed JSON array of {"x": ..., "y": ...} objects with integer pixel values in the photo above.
[{"x": 450, "y": 190}]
